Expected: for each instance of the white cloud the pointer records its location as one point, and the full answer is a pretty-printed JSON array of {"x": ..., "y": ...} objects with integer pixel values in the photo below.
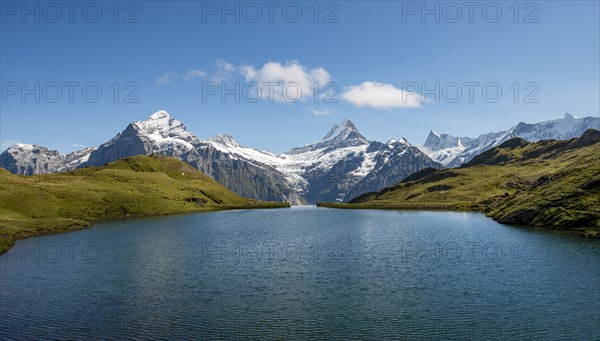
[
  {"x": 381, "y": 96},
  {"x": 294, "y": 81},
  {"x": 224, "y": 70},
  {"x": 225, "y": 66},
  {"x": 193, "y": 73},
  {"x": 166, "y": 78},
  {"x": 320, "y": 112}
]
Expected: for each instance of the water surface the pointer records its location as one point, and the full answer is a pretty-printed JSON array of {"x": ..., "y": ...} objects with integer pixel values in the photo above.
[{"x": 303, "y": 273}]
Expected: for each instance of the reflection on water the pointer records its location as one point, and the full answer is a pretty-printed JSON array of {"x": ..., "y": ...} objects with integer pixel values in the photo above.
[{"x": 303, "y": 273}]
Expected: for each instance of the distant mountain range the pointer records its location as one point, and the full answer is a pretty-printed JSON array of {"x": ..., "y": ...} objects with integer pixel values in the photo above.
[
  {"x": 343, "y": 165},
  {"x": 551, "y": 183},
  {"x": 453, "y": 151}
]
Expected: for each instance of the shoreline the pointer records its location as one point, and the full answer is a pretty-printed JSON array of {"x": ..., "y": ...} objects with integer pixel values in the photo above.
[
  {"x": 73, "y": 225},
  {"x": 586, "y": 232}
]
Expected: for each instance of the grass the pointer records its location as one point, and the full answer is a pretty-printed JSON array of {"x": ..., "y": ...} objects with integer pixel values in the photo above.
[
  {"x": 133, "y": 187},
  {"x": 551, "y": 183}
]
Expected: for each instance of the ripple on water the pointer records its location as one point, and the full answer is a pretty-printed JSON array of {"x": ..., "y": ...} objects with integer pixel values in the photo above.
[{"x": 304, "y": 274}]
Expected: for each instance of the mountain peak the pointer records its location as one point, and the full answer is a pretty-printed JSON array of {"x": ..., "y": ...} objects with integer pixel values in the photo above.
[
  {"x": 341, "y": 135},
  {"x": 19, "y": 148},
  {"x": 163, "y": 131},
  {"x": 161, "y": 123},
  {"x": 225, "y": 139},
  {"x": 347, "y": 123},
  {"x": 341, "y": 131},
  {"x": 160, "y": 115},
  {"x": 24, "y": 146},
  {"x": 402, "y": 141},
  {"x": 437, "y": 141},
  {"x": 568, "y": 115},
  {"x": 432, "y": 140}
]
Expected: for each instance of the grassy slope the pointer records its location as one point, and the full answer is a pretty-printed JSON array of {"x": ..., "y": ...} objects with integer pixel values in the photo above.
[
  {"x": 131, "y": 187},
  {"x": 550, "y": 183}
]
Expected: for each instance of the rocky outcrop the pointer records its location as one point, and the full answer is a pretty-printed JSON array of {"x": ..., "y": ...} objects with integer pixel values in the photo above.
[{"x": 28, "y": 159}]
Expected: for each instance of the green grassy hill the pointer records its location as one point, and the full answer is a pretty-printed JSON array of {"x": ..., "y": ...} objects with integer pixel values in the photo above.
[
  {"x": 131, "y": 187},
  {"x": 549, "y": 183}
]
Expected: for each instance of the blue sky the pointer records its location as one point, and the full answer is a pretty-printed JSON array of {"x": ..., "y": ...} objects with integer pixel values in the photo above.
[{"x": 381, "y": 57}]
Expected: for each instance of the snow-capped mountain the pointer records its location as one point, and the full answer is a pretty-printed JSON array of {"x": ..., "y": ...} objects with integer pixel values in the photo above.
[
  {"x": 396, "y": 160},
  {"x": 161, "y": 134},
  {"x": 564, "y": 128},
  {"x": 329, "y": 169},
  {"x": 454, "y": 151},
  {"x": 354, "y": 165},
  {"x": 337, "y": 167},
  {"x": 219, "y": 157},
  {"x": 341, "y": 135},
  {"x": 30, "y": 159},
  {"x": 340, "y": 166}
]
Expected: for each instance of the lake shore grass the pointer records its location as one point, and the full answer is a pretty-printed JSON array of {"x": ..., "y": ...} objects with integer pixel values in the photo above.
[
  {"x": 402, "y": 206},
  {"x": 140, "y": 186},
  {"x": 13, "y": 229}
]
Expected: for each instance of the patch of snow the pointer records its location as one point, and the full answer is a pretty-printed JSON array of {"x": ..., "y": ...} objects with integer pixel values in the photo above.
[
  {"x": 24, "y": 147},
  {"x": 367, "y": 165}
]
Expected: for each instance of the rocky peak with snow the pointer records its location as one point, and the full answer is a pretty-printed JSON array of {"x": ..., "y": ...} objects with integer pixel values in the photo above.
[
  {"x": 346, "y": 131},
  {"x": 437, "y": 141},
  {"x": 400, "y": 142},
  {"x": 20, "y": 148},
  {"x": 225, "y": 140},
  {"x": 453, "y": 151},
  {"x": 28, "y": 159},
  {"x": 160, "y": 126},
  {"x": 160, "y": 134},
  {"x": 566, "y": 127},
  {"x": 341, "y": 135},
  {"x": 160, "y": 115},
  {"x": 341, "y": 131}
]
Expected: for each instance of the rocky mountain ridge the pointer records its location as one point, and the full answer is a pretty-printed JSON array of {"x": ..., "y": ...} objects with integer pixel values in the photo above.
[
  {"x": 342, "y": 165},
  {"x": 453, "y": 151}
]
